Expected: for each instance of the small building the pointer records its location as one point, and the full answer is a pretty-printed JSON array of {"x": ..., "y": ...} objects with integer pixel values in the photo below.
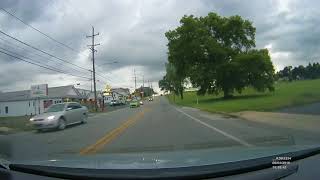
[
  {"x": 20, "y": 103},
  {"x": 118, "y": 94}
]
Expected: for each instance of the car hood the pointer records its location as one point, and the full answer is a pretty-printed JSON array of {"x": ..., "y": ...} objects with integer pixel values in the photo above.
[
  {"x": 172, "y": 159},
  {"x": 45, "y": 115}
]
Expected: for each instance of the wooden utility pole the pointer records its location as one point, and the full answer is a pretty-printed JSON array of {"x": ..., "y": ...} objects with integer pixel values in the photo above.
[
  {"x": 135, "y": 80},
  {"x": 91, "y": 80},
  {"x": 93, "y": 67},
  {"x": 143, "y": 81}
]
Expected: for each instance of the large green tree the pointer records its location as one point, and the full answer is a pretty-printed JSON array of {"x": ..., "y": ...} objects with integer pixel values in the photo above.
[
  {"x": 217, "y": 54},
  {"x": 172, "y": 81}
]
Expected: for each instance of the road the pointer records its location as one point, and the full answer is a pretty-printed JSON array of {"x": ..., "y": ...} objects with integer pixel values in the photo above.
[{"x": 155, "y": 126}]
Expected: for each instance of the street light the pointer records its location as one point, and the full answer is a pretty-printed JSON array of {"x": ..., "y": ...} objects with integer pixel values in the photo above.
[{"x": 114, "y": 62}]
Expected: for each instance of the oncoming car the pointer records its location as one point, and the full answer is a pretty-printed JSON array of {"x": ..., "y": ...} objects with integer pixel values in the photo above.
[{"x": 58, "y": 116}]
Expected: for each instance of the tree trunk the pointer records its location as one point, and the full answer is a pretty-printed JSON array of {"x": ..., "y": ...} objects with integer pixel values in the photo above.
[
  {"x": 174, "y": 97},
  {"x": 226, "y": 93},
  {"x": 181, "y": 93}
]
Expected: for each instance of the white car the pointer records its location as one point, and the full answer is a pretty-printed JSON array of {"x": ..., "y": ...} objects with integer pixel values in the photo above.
[
  {"x": 141, "y": 102},
  {"x": 114, "y": 103},
  {"x": 60, "y": 115}
]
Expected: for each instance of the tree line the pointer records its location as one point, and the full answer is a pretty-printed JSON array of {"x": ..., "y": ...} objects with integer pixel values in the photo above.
[
  {"x": 216, "y": 54},
  {"x": 310, "y": 71}
]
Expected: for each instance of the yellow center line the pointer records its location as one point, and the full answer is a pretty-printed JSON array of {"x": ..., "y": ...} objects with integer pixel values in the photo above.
[{"x": 113, "y": 134}]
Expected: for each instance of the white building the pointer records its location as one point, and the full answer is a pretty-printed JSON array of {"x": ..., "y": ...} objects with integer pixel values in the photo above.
[
  {"x": 20, "y": 103},
  {"x": 118, "y": 94}
]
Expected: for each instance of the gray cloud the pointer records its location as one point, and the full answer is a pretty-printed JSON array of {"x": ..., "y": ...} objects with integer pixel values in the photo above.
[{"x": 132, "y": 33}]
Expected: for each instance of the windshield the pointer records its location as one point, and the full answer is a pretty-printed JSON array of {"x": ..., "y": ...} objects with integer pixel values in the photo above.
[
  {"x": 56, "y": 108},
  {"x": 167, "y": 80}
]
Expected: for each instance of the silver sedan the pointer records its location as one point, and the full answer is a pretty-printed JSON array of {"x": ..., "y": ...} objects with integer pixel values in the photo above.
[{"x": 60, "y": 115}]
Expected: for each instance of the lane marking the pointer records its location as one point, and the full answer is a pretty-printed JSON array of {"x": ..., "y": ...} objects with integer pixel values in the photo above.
[
  {"x": 242, "y": 142},
  {"x": 113, "y": 134}
]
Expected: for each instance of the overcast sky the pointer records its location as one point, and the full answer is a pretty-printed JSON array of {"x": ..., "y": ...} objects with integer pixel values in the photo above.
[{"x": 132, "y": 33}]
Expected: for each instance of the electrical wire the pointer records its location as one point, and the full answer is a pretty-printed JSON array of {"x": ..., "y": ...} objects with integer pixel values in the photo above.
[
  {"x": 44, "y": 34},
  {"x": 10, "y": 55},
  {"x": 41, "y": 50}
]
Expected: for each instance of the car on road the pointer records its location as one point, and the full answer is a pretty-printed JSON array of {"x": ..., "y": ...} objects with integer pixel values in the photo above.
[
  {"x": 141, "y": 102},
  {"x": 58, "y": 116},
  {"x": 150, "y": 99},
  {"x": 134, "y": 104},
  {"x": 114, "y": 103}
]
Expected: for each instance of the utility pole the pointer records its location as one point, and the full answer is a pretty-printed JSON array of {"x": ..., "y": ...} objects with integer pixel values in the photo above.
[
  {"x": 93, "y": 67},
  {"x": 135, "y": 80},
  {"x": 143, "y": 81},
  {"x": 91, "y": 80}
]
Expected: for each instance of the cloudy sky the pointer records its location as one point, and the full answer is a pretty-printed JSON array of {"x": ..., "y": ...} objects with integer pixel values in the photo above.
[{"x": 132, "y": 34}]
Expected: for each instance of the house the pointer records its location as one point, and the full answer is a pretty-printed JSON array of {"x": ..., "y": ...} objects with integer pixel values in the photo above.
[
  {"x": 118, "y": 94},
  {"x": 20, "y": 103}
]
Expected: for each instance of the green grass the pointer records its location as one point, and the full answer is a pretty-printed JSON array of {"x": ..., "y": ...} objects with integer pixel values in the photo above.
[
  {"x": 286, "y": 94},
  {"x": 20, "y": 123}
]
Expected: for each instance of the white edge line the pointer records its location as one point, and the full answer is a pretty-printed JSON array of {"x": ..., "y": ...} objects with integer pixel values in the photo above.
[{"x": 216, "y": 129}]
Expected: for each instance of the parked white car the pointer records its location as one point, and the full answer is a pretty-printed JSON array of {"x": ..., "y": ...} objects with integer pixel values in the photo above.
[
  {"x": 114, "y": 102},
  {"x": 60, "y": 115}
]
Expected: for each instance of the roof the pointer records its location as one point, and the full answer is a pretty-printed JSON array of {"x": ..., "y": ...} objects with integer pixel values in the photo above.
[
  {"x": 122, "y": 91},
  {"x": 15, "y": 96},
  {"x": 53, "y": 92},
  {"x": 91, "y": 95},
  {"x": 84, "y": 92}
]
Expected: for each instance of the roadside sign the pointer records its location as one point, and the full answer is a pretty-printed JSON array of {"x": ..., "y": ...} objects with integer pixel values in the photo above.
[
  {"x": 40, "y": 90},
  {"x": 107, "y": 91}
]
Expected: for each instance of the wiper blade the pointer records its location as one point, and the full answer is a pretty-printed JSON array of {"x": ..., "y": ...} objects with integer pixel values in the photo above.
[
  {"x": 193, "y": 172},
  {"x": 4, "y": 163}
]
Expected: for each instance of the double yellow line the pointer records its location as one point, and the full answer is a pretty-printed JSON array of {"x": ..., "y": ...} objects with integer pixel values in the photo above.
[{"x": 113, "y": 134}]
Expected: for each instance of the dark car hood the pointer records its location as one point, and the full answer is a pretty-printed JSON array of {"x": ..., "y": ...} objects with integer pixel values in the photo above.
[{"x": 170, "y": 159}]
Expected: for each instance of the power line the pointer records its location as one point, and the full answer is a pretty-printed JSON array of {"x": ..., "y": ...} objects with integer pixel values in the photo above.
[
  {"x": 12, "y": 45},
  {"x": 42, "y": 65},
  {"x": 46, "y": 35},
  {"x": 28, "y": 58},
  {"x": 41, "y": 50},
  {"x": 105, "y": 77}
]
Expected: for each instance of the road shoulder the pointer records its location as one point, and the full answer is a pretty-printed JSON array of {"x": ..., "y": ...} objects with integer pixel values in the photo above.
[{"x": 287, "y": 120}]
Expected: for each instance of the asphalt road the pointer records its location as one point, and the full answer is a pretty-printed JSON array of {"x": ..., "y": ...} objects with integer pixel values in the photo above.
[{"x": 155, "y": 126}]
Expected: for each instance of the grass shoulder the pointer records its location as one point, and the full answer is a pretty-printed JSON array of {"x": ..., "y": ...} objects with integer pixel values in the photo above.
[
  {"x": 286, "y": 94},
  {"x": 15, "y": 124}
]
